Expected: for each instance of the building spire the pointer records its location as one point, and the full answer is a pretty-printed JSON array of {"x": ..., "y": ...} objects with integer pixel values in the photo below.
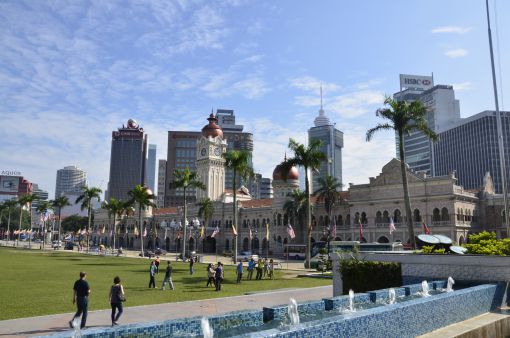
[
  {"x": 322, "y": 119},
  {"x": 321, "y": 98}
]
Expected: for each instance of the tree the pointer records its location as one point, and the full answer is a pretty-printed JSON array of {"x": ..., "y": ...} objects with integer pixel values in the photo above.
[
  {"x": 42, "y": 209},
  {"x": 116, "y": 208},
  {"x": 185, "y": 179},
  {"x": 88, "y": 194},
  {"x": 309, "y": 157},
  {"x": 74, "y": 223},
  {"x": 205, "y": 210},
  {"x": 143, "y": 199},
  {"x": 239, "y": 162},
  {"x": 9, "y": 204},
  {"x": 296, "y": 206},
  {"x": 403, "y": 117},
  {"x": 60, "y": 203},
  {"x": 22, "y": 202},
  {"x": 328, "y": 193}
]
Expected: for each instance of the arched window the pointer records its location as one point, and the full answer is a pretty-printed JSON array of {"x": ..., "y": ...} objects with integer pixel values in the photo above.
[
  {"x": 348, "y": 219},
  {"x": 227, "y": 244},
  {"x": 340, "y": 220},
  {"x": 321, "y": 222},
  {"x": 397, "y": 216},
  {"x": 314, "y": 221},
  {"x": 246, "y": 244},
  {"x": 356, "y": 218},
  {"x": 285, "y": 219},
  {"x": 285, "y": 241},
  {"x": 326, "y": 221},
  {"x": 416, "y": 215},
  {"x": 279, "y": 240},
  {"x": 364, "y": 219},
  {"x": 279, "y": 219},
  {"x": 444, "y": 215},
  {"x": 378, "y": 217},
  {"x": 383, "y": 239},
  {"x": 386, "y": 217}
]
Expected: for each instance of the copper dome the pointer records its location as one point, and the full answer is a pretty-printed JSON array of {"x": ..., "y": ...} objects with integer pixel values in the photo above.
[
  {"x": 293, "y": 173},
  {"x": 212, "y": 129}
]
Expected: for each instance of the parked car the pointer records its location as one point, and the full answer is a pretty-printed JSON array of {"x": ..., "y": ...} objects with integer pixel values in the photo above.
[
  {"x": 147, "y": 253},
  {"x": 56, "y": 244},
  {"x": 246, "y": 256},
  {"x": 160, "y": 252}
]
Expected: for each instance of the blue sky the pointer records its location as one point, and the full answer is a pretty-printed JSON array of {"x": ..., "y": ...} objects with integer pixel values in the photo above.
[{"x": 73, "y": 71}]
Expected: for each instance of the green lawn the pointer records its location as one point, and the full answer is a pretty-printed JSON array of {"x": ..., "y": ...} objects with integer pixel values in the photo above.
[{"x": 40, "y": 283}]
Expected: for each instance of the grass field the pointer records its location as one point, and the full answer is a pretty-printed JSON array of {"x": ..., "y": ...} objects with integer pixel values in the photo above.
[{"x": 40, "y": 283}]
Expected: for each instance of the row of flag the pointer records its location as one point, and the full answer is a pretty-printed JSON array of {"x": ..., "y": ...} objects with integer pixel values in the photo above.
[{"x": 392, "y": 228}]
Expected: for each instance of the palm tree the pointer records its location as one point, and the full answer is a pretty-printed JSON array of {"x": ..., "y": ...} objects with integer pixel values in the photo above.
[
  {"x": 143, "y": 198},
  {"x": 60, "y": 203},
  {"x": 106, "y": 206},
  {"x": 185, "y": 179},
  {"x": 309, "y": 157},
  {"x": 9, "y": 204},
  {"x": 403, "y": 117},
  {"x": 128, "y": 210},
  {"x": 22, "y": 202},
  {"x": 328, "y": 193},
  {"x": 205, "y": 210},
  {"x": 239, "y": 162},
  {"x": 295, "y": 207},
  {"x": 88, "y": 194},
  {"x": 42, "y": 208},
  {"x": 116, "y": 207}
]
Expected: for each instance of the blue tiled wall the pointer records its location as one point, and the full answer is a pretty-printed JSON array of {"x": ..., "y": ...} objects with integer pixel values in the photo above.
[
  {"x": 414, "y": 288},
  {"x": 383, "y": 295},
  {"x": 342, "y": 302},
  {"x": 407, "y": 319},
  {"x": 279, "y": 312}
]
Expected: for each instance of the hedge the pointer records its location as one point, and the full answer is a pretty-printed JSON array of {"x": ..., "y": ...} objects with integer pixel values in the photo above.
[{"x": 362, "y": 276}]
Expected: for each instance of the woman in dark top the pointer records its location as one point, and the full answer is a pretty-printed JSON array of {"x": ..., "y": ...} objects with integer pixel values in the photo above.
[{"x": 116, "y": 298}]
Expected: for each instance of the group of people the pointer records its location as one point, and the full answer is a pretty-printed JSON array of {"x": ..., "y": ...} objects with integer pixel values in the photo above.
[
  {"x": 154, "y": 270},
  {"x": 81, "y": 292},
  {"x": 264, "y": 269},
  {"x": 215, "y": 275}
]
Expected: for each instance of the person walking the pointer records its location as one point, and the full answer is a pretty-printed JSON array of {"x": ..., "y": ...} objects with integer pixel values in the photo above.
[
  {"x": 239, "y": 271},
  {"x": 266, "y": 265},
  {"x": 168, "y": 277},
  {"x": 211, "y": 273},
  {"x": 116, "y": 298},
  {"x": 152, "y": 272},
  {"x": 191, "y": 264},
  {"x": 80, "y": 298},
  {"x": 260, "y": 267},
  {"x": 157, "y": 264},
  {"x": 219, "y": 276},
  {"x": 251, "y": 267},
  {"x": 270, "y": 269}
]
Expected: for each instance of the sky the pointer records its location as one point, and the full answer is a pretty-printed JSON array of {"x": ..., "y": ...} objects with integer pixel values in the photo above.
[{"x": 73, "y": 71}]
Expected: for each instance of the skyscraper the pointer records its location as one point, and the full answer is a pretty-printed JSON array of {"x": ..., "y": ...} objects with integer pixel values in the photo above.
[
  {"x": 127, "y": 161},
  {"x": 470, "y": 149},
  {"x": 151, "y": 168},
  {"x": 332, "y": 144},
  {"x": 70, "y": 180},
  {"x": 442, "y": 113},
  {"x": 161, "y": 183}
]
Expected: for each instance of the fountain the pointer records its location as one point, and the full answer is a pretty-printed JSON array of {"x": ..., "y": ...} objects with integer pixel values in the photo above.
[
  {"x": 449, "y": 286},
  {"x": 425, "y": 289},
  {"x": 351, "y": 301},
  {"x": 207, "y": 330},
  {"x": 76, "y": 327},
  {"x": 293, "y": 313},
  {"x": 391, "y": 296}
]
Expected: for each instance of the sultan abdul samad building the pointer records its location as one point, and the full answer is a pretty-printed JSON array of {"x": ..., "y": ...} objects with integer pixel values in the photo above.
[{"x": 441, "y": 204}]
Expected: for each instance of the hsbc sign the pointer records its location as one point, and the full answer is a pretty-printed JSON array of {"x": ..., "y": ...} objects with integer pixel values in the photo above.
[{"x": 416, "y": 82}]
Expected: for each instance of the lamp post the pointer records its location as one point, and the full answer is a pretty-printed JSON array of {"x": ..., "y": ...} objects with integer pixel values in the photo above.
[{"x": 197, "y": 231}]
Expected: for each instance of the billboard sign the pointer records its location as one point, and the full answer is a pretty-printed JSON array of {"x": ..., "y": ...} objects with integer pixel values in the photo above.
[
  {"x": 9, "y": 184},
  {"x": 416, "y": 82}
]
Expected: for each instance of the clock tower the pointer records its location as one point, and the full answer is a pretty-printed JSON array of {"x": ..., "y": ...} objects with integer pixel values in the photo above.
[{"x": 210, "y": 163}]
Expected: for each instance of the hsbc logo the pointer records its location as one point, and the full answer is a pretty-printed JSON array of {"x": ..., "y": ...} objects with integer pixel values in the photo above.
[{"x": 415, "y": 81}]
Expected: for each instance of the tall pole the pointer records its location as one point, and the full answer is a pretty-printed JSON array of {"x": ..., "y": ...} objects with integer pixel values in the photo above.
[{"x": 499, "y": 126}]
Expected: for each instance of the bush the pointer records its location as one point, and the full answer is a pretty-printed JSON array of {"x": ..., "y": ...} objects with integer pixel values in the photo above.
[
  {"x": 486, "y": 243},
  {"x": 432, "y": 250},
  {"x": 362, "y": 276}
]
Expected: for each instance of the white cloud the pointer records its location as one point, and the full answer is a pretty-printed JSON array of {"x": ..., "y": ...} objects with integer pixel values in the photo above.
[
  {"x": 451, "y": 29},
  {"x": 356, "y": 103},
  {"x": 463, "y": 86},
  {"x": 309, "y": 83},
  {"x": 456, "y": 53}
]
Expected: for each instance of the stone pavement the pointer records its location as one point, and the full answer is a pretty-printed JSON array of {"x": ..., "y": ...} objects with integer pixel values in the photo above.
[{"x": 45, "y": 325}]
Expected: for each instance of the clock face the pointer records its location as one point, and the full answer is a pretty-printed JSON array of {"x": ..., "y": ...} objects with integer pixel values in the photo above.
[
  {"x": 203, "y": 152},
  {"x": 217, "y": 151}
]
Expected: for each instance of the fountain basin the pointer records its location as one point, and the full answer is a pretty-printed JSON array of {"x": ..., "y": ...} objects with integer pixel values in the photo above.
[
  {"x": 342, "y": 302},
  {"x": 304, "y": 309},
  {"x": 382, "y": 295}
]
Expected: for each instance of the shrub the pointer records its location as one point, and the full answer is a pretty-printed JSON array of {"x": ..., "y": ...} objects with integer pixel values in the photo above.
[
  {"x": 432, "y": 250},
  {"x": 486, "y": 243},
  {"x": 364, "y": 276}
]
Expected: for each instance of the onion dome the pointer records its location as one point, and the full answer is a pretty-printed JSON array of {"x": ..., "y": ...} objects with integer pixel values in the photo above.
[
  {"x": 132, "y": 124},
  {"x": 212, "y": 129},
  {"x": 293, "y": 173}
]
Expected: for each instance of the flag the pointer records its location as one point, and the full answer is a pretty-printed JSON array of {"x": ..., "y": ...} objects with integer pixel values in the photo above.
[
  {"x": 111, "y": 232},
  {"x": 202, "y": 232},
  {"x": 360, "y": 231},
  {"x": 98, "y": 231},
  {"x": 84, "y": 232},
  {"x": 290, "y": 231},
  {"x": 267, "y": 231},
  {"x": 333, "y": 228},
  {"x": 215, "y": 232},
  {"x": 392, "y": 226},
  {"x": 104, "y": 230},
  {"x": 145, "y": 232},
  {"x": 251, "y": 235},
  {"x": 126, "y": 230},
  {"x": 425, "y": 228},
  {"x": 178, "y": 235},
  {"x": 136, "y": 232},
  {"x": 234, "y": 230}
]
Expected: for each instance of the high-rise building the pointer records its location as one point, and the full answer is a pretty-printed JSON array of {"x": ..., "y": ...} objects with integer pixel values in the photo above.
[
  {"x": 182, "y": 147},
  {"x": 41, "y": 194},
  {"x": 151, "y": 168},
  {"x": 442, "y": 113},
  {"x": 70, "y": 180},
  {"x": 236, "y": 140},
  {"x": 332, "y": 144},
  {"x": 127, "y": 161},
  {"x": 261, "y": 187},
  {"x": 161, "y": 183},
  {"x": 14, "y": 187},
  {"x": 471, "y": 149}
]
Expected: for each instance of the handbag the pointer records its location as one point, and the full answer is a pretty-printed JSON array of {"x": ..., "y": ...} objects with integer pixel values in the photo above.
[{"x": 122, "y": 298}]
